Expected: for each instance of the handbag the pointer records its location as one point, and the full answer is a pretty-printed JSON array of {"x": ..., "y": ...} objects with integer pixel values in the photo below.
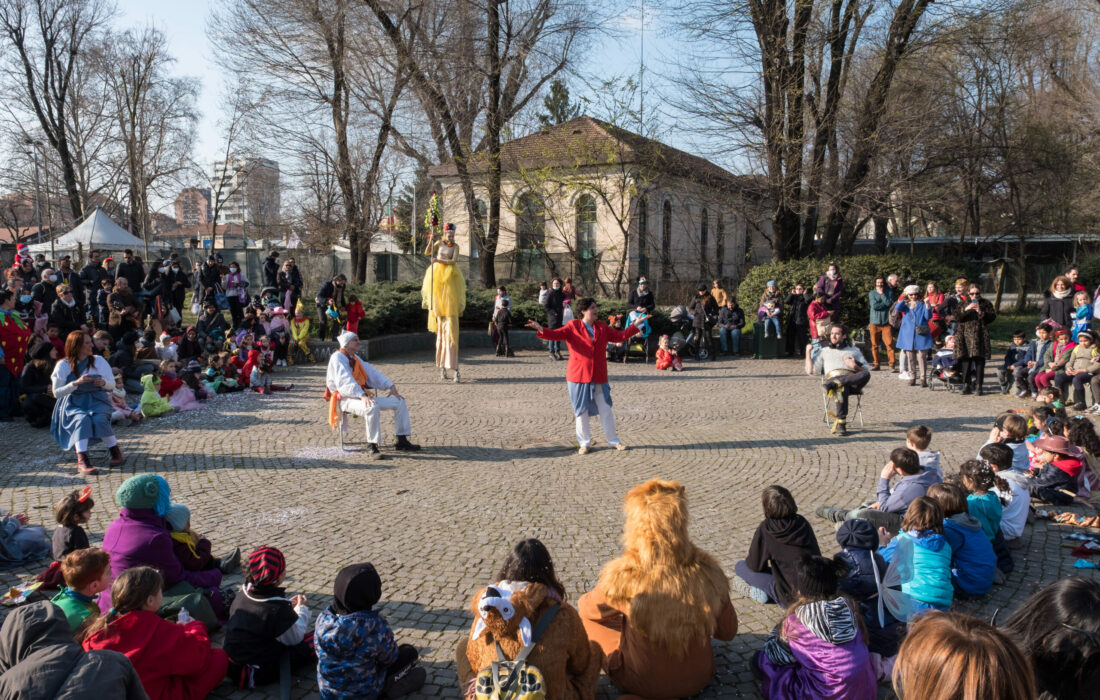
[
  {"x": 922, "y": 329},
  {"x": 195, "y": 308},
  {"x": 221, "y": 300}
]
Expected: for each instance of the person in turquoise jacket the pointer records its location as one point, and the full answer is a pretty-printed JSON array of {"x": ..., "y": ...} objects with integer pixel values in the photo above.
[
  {"x": 925, "y": 562},
  {"x": 973, "y": 561},
  {"x": 879, "y": 301}
]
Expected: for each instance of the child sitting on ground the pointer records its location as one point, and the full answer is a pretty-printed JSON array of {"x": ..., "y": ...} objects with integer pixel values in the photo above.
[
  {"x": 1014, "y": 359},
  {"x": 819, "y": 645},
  {"x": 172, "y": 660},
  {"x": 121, "y": 411},
  {"x": 891, "y": 505},
  {"x": 86, "y": 573},
  {"x": 1016, "y": 498},
  {"x": 71, "y": 513},
  {"x": 780, "y": 541},
  {"x": 152, "y": 403},
  {"x": 918, "y": 438},
  {"x": 357, "y": 656},
  {"x": 299, "y": 336},
  {"x": 667, "y": 357},
  {"x": 263, "y": 623},
  {"x": 929, "y": 586},
  {"x": 191, "y": 548},
  {"x": 167, "y": 348},
  {"x": 860, "y": 582},
  {"x": 973, "y": 563},
  {"x": 1057, "y": 465},
  {"x": 1010, "y": 430},
  {"x": 978, "y": 479}
]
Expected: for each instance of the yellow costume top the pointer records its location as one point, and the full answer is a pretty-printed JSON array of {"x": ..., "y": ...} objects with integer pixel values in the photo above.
[{"x": 444, "y": 290}]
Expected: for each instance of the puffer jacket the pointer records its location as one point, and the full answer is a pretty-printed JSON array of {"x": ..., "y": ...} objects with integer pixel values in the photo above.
[
  {"x": 931, "y": 565},
  {"x": 39, "y": 660},
  {"x": 1080, "y": 358},
  {"x": 352, "y": 653},
  {"x": 973, "y": 562}
]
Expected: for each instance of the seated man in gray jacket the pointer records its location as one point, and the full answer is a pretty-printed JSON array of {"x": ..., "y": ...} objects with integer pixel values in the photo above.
[
  {"x": 889, "y": 510},
  {"x": 845, "y": 369}
]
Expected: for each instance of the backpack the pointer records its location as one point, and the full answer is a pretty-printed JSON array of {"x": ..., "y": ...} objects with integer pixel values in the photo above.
[{"x": 515, "y": 679}]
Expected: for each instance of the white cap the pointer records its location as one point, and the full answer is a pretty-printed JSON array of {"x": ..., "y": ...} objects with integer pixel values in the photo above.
[{"x": 345, "y": 338}]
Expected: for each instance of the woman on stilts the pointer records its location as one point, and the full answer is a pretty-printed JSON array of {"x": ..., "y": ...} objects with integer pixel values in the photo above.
[
  {"x": 443, "y": 293},
  {"x": 586, "y": 374}
]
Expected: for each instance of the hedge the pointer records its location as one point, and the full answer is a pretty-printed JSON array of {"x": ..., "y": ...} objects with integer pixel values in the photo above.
[
  {"x": 858, "y": 273},
  {"x": 394, "y": 307}
]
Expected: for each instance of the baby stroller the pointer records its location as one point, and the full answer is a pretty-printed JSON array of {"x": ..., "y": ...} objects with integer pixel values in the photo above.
[{"x": 685, "y": 341}]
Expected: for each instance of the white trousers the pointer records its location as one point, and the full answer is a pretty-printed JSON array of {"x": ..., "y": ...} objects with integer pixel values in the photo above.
[
  {"x": 374, "y": 424},
  {"x": 607, "y": 422},
  {"x": 109, "y": 441}
]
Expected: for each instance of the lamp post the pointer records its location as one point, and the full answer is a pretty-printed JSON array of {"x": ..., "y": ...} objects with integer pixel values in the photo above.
[{"x": 34, "y": 144}]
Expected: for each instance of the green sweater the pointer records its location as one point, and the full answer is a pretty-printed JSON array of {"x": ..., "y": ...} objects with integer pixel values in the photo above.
[
  {"x": 880, "y": 307},
  {"x": 77, "y": 607}
]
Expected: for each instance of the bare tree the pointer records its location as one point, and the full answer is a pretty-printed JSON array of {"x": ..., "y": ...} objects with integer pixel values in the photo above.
[{"x": 47, "y": 38}]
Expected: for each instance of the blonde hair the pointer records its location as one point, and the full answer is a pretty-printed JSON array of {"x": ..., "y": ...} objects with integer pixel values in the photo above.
[
  {"x": 671, "y": 590},
  {"x": 951, "y": 656}
]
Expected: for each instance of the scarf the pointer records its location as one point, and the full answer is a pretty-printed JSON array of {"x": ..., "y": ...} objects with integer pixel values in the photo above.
[
  {"x": 1062, "y": 294},
  {"x": 187, "y": 539},
  {"x": 360, "y": 376}
]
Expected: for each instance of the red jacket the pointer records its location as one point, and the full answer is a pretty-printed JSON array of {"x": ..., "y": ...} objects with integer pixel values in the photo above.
[
  {"x": 168, "y": 657},
  {"x": 587, "y": 356},
  {"x": 355, "y": 315}
]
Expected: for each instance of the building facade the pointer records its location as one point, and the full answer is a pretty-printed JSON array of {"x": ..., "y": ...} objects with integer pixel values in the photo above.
[
  {"x": 591, "y": 201},
  {"x": 248, "y": 191},
  {"x": 193, "y": 207}
]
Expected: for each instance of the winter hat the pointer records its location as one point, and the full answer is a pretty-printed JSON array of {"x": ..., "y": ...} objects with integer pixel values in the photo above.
[
  {"x": 193, "y": 366},
  {"x": 357, "y": 588},
  {"x": 265, "y": 566},
  {"x": 911, "y": 289},
  {"x": 177, "y": 516},
  {"x": 41, "y": 350},
  {"x": 858, "y": 534},
  {"x": 345, "y": 338},
  {"x": 145, "y": 491},
  {"x": 772, "y": 283}
]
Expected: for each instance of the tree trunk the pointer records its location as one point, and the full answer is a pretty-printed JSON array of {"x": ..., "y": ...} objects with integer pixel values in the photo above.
[
  {"x": 882, "y": 230},
  {"x": 492, "y": 135},
  {"x": 785, "y": 223},
  {"x": 1021, "y": 274}
]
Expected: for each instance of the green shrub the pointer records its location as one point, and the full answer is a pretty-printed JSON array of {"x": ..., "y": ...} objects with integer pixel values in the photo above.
[{"x": 858, "y": 273}]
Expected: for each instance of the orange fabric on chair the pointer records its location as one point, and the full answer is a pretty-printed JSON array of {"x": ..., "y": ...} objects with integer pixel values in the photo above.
[{"x": 333, "y": 397}]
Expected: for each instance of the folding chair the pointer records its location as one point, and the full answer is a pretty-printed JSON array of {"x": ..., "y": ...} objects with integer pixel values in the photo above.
[{"x": 858, "y": 408}]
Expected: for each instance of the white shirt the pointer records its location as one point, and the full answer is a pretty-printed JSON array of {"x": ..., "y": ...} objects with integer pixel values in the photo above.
[
  {"x": 61, "y": 372},
  {"x": 339, "y": 377},
  {"x": 1014, "y": 516}
]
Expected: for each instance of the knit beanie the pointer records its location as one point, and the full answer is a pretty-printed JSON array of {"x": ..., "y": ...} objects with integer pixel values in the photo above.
[
  {"x": 265, "y": 566},
  {"x": 177, "y": 516},
  {"x": 145, "y": 491},
  {"x": 357, "y": 588}
]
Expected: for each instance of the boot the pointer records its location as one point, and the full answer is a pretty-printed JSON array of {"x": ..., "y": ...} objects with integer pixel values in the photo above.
[
  {"x": 968, "y": 389},
  {"x": 83, "y": 465},
  {"x": 456, "y": 376},
  {"x": 116, "y": 456},
  {"x": 373, "y": 453},
  {"x": 924, "y": 382},
  {"x": 232, "y": 563},
  {"x": 404, "y": 445},
  {"x": 913, "y": 380}
]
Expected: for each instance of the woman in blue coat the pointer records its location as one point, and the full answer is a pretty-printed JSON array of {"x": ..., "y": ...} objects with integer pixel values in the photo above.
[{"x": 914, "y": 337}]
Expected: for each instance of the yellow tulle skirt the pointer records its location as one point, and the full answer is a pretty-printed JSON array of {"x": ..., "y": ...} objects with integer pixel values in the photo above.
[{"x": 443, "y": 293}]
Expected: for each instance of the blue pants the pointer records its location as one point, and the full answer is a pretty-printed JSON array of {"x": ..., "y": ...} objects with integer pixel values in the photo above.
[
  {"x": 730, "y": 338},
  {"x": 773, "y": 324},
  {"x": 9, "y": 393}
]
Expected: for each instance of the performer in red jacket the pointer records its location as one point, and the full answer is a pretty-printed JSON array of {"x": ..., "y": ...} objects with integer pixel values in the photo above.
[{"x": 586, "y": 374}]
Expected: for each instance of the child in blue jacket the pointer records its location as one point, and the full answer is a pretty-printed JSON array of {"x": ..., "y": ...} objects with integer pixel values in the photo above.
[
  {"x": 1015, "y": 359},
  {"x": 927, "y": 556},
  {"x": 357, "y": 656},
  {"x": 973, "y": 561}
]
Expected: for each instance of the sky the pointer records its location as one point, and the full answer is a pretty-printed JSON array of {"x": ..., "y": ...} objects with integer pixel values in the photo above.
[{"x": 184, "y": 24}]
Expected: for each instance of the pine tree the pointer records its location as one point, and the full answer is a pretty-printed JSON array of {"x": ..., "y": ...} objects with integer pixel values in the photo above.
[{"x": 558, "y": 106}]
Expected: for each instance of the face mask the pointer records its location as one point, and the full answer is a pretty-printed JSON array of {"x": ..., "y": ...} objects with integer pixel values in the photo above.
[
  {"x": 557, "y": 287},
  {"x": 25, "y": 298},
  {"x": 53, "y": 278},
  {"x": 232, "y": 269},
  {"x": 175, "y": 269}
]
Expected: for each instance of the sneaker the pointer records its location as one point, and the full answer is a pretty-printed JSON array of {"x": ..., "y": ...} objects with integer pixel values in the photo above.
[
  {"x": 232, "y": 563},
  {"x": 583, "y": 450},
  {"x": 1022, "y": 394},
  {"x": 752, "y": 592},
  {"x": 904, "y": 376},
  {"x": 1095, "y": 408},
  {"x": 998, "y": 577},
  {"x": 834, "y": 515},
  {"x": 621, "y": 446}
]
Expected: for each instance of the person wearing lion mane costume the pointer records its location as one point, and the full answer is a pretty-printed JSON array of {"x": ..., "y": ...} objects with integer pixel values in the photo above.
[{"x": 655, "y": 608}]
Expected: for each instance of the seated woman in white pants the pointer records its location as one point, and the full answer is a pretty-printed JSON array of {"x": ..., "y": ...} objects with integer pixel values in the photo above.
[{"x": 354, "y": 381}]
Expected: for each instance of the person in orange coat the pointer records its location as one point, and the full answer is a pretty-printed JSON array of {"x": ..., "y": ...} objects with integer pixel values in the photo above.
[
  {"x": 174, "y": 661},
  {"x": 655, "y": 608},
  {"x": 587, "y": 339}
]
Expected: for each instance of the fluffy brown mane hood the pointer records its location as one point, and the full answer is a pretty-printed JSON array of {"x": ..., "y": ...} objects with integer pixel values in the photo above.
[{"x": 671, "y": 590}]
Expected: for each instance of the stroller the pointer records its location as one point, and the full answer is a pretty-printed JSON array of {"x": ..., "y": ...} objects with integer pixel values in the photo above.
[{"x": 685, "y": 341}]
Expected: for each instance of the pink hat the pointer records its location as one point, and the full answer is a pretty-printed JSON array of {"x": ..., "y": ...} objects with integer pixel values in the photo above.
[{"x": 278, "y": 310}]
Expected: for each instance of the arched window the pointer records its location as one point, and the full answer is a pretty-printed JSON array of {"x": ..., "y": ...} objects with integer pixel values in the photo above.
[
  {"x": 704, "y": 266},
  {"x": 586, "y": 225},
  {"x": 666, "y": 241},
  {"x": 530, "y": 222},
  {"x": 643, "y": 236},
  {"x": 719, "y": 246}
]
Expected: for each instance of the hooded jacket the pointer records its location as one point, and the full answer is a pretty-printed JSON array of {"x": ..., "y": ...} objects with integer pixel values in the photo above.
[
  {"x": 859, "y": 541},
  {"x": 262, "y": 622},
  {"x": 973, "y": 562},
  {"x": 931, "y": 566},
  {"x": 39, "y": 660},
  {"x": 152, "y": 403},
  {"x": 777, "y": 546},
  {"x": 168, "y": 657},
  {"x": 907, "y": 490},
  {"x": 354, "y": 643}
]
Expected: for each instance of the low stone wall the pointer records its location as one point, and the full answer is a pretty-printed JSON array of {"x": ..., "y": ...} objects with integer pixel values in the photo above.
[{"x": 401, "y": 343}]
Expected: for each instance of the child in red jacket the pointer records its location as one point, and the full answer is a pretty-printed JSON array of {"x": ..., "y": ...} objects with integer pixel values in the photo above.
[
  {"x": 355, "y": 314},
  {"x": 174, "y": 661}
]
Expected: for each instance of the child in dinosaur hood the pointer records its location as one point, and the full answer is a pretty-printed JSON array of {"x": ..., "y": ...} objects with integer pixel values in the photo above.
[{"x": 152, "y": 403}]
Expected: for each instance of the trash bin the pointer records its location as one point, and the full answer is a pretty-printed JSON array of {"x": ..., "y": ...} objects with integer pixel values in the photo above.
[{"x": 764, "y": 348}]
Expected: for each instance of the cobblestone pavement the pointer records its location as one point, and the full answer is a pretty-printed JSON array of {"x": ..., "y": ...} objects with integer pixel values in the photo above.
[{"x": 499, "y": 465}]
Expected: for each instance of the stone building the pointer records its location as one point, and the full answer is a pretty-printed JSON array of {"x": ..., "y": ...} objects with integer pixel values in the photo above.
[
  {"x": 193, "y": 206},
  {"x": 588, "y": 200}
]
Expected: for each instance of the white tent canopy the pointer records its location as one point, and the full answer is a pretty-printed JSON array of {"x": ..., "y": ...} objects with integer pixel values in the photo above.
[{"x": 96, "y": 232}]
